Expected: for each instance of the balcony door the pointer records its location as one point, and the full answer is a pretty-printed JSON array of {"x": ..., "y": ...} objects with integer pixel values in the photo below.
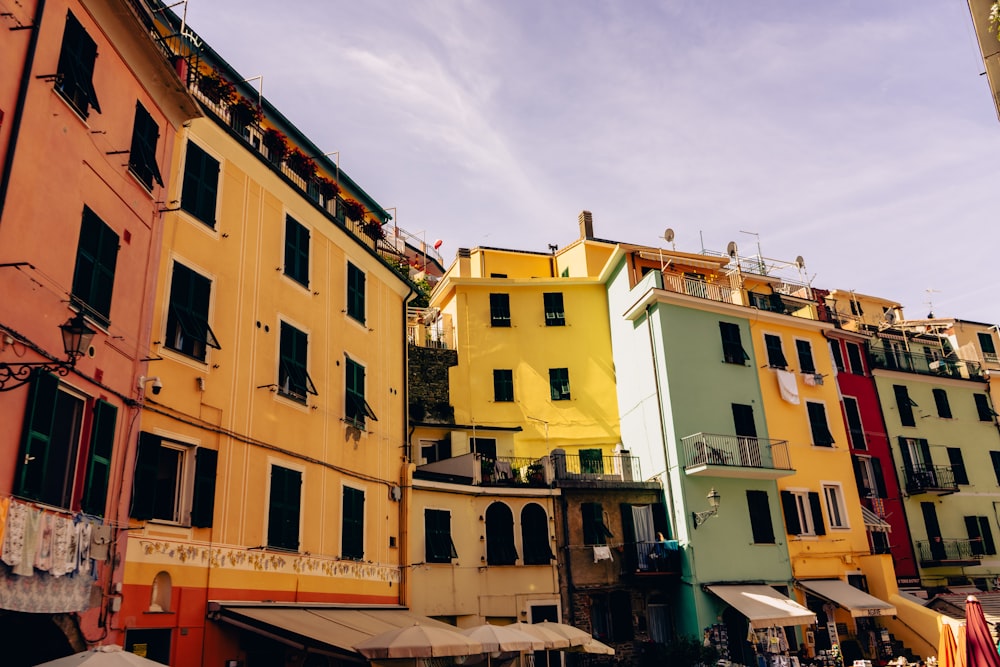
[
  {"x": 917, "y": 462},
  {"x": 934, "y": 541},
  {"x": 746, "y": 433}
]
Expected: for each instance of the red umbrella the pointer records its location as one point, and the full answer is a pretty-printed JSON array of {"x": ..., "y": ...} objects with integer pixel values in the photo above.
[{"x": 979, "y": 646}]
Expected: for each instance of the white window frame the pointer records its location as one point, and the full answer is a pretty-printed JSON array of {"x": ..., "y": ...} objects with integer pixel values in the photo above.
[
  {"x": 184, "y": 490},
  {"x": 804, "y": 508},
  {"x": 836, "y": 510},
  {"x": 867, "y": 473},
  {"x": 863, "y": 445}
]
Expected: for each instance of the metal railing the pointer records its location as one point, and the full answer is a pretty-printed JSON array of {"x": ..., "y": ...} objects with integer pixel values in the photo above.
[
  {"x": 617, "y": 467},
  {"x": 514, "y": 471},
  {"x": 650, "y": 557},
  {"x": 925, "y": 364},
  {"x": 734, "y": 450},
  {"x": 948, "y": 551},
  {"x": 922, "y": 478},
  {"x": 699, "y": 288}
]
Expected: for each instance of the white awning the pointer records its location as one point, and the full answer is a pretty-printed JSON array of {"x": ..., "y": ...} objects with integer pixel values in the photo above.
[
  {"x": 850, "y": 598},
  {"x": 874, "y": 523},
  {"x": 763, "y": 606}
]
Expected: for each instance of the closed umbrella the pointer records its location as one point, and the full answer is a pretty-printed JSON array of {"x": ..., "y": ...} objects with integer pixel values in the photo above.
[
  {"x": 947, "y": 648},
  {"x": 102, "y": 656},
  {"x": 418, "y": 641},
  {"x": 979, "y": 646}
]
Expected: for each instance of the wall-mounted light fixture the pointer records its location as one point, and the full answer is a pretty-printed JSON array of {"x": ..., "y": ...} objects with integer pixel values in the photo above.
[
  {"x": 76, "y": 337},
  {"x": 699, "y": 518}
]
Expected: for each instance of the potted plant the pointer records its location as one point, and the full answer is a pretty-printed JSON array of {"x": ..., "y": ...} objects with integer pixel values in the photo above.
[
  {"x": 216, "y": 88},
  {"x": 373, "y": 229},
  {"x": 354, "y": 210},
  {"x": 276, "y": 144},
  {"x": 300, "y": 163},
  {"x": 245, "y": 112},
  {"x": 327, "y": 188},
  {"x": 536, "y": 473}
]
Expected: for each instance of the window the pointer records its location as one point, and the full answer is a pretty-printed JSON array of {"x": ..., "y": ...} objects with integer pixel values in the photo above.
[
  {"x": 352, "y": 539},
  {"x": 595, "y": 529},
  {"x": 987, "y": 346},
  {"x": 50, "y": 444},
  {"x": 284, "y": 506},
  {"x": 986, "y": 413},
  {"x": 732, "y": 344},
  {"x": 817, "y": 423},
  {"x": 834, "y": 496},
  {"x": 535, "y": 535},
  {"x": 559, "y": 384},
  {"x": 855, "y": 428},
  {"x": 803, "y": 513},
  {"x": 555, "y": 316},
  {"x": 485, "y": 447},
  {"x": 503, "y": 385},
  {"x": 356, "y": 410},
  {"x": 355, "y": 293},
  {"x": 500, "y": 310},
  {"x": 142, "y": 153},
  {"x": 293, "y": 377},
  {"x": 611, "y": 616},
  {"x": 500, "y": 535},
  {"x": 941, "y": 401},
  {"x": 96, "y": 258},
  {"x": 868, "y": 475},
  {"x": 904, "y": 405},
  {"x": 188, "y": 331},
  {"x": 775, "y": 355},
  {"x": 838, "y": 356},
  {"x": 75, "y": 80},
  {"x": 854, "y": 358},
  {"x": 995, "y": 459},
  {"x": 760, "y": 517},
  {"x": 856, "y": 308},
  {"x": 435, "y": 450},
  {"x": 805, "y": 352},
  {"x": 980, "y": 536},
  {"x": 438, "y": 545},
  {"x": 201, "y": 184},
  {"x": 957, "y": 465},
  {"x": 162, "y": 488},
  {"x": 297, "y": 252}
]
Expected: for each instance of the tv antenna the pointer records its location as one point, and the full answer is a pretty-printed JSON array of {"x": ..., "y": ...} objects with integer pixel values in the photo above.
[{"x": 930, "y": 302}]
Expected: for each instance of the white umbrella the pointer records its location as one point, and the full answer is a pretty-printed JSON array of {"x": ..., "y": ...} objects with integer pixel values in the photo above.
[
  {"x": 503, "y": 638},
  {"x": 576, "y": 636},
  {"x": 593, "y": 646},
  {"x": 418, "y": 641},
  {"x": 552, "y": 640},
  {"x": 101, "y": 656}
]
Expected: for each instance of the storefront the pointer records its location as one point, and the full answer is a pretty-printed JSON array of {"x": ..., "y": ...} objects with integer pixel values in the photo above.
[
  {"x": 758, "y": 626},
  {"x": 846, "y": 619}
]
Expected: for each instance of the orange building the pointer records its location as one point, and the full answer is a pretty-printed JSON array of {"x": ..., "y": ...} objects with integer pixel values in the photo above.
[{"x": 89, "y": 108}]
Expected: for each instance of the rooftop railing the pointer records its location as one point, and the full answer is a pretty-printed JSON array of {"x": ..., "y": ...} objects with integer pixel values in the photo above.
[{"x": 925, "y": 364}]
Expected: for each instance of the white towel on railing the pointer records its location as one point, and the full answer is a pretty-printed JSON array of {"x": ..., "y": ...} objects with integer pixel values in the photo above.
[
  {"x": 602, "y": 553},
  {"x": 788, "y": 385}
]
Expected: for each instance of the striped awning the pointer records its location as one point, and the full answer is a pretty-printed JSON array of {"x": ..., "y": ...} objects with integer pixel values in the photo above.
[{"x": 874, "y": 523}]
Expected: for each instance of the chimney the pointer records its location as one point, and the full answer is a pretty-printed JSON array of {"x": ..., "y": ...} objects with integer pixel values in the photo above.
[
  {"x": 464, "y": 263},
  {"x": 586, "y": 225}
]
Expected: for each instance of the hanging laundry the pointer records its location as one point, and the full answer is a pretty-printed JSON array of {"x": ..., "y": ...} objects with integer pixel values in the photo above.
[
  {"x": 4, "y": 509},
  {"x": 810, "y": 379},
  {"x": 788, "y": 386},
  {"x": 26, "y": 565},
  {"x": 602, "y": 553},
  {"x": 43, "y": 552},
  {"x": 63, "y": 534},
  {"x": 13, "y": 537}
]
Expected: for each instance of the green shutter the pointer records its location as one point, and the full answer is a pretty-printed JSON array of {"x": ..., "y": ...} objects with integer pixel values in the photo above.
[
  {"x": 791, "y": 511},
  {"x": 284, "y": 509},
  {"x": 102, "y": 441},
  {"x": 352, "y": 540},
  {"x": 201, "y": 184},
  {"x": 817, "y": 513},
  {"x": 38, "y": 427},
  {"x": 203, "y": 499},
  {"x": 144, "y": 481}
]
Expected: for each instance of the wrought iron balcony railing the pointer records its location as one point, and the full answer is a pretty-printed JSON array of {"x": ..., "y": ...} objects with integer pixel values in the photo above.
[
  {"x": 614, "y": 468},
  {"x": 644, "y": 558},
  {"x": 736, "y": 451},
  {"x": 926, "y": 364},
  {"x": 929, "y": 479},
  {"x": 940, "y": 551}
]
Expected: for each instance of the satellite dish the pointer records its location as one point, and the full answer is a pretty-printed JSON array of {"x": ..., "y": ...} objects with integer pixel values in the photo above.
[
  {"x": 668, "y": 235},
  {"x": 890, "y": 316},
  {"x": 799, "y": 262},
  {"x": 731, "y": 249}
]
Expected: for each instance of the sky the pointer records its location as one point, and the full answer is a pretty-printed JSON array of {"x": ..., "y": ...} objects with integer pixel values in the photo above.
[{"x": 860, "y": 135}]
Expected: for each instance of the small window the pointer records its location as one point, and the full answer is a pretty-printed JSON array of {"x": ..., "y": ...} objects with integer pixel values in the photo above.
[
  {"x": 775, "y": 355},
  {"x": 855, "y": 359},
  {"x": 96, "y": 260},
  {"x": 355, "y": 293},
  {"x": 856, "y": 308},
  {"x": 162, "y": 489},
  {"x": 500, "y": 548},
  {"x": 75, "y": 80},
  {"x": 188, "y": 331},
  {"x": 957, "y": 465},
  {"x": 834, "y": 496},
  {"x": 142, "y": 153},
  {"x": 535, "y": 535},
  {"x": 160, "y": 593},
  {"x": 595, "y": 528},
  {"x": 986, "y": 413},
  {"x": 500, "y": 310},
  {"x": 988, "y": 347},
  {"x": 805, "y": 352},
  {"x": 434, "y": 450},
  {"x": 732, "y": 344},
  {"x": 868, "y": 474},
  {"x": 760, "y": 517},
  {"x": 941, "y": 401},
  {"x": 284, "y": 508},
  {"x": 555, "y": 316},
  {"x": 838, "y": 356},
  {"x": 297, "y": 251},
  {"x": 352, "y": 541},
  {"x": 485, "y": 447},
  {"x": 438, "y": 545},
  {"x": 201, "y": 184},
  {"x": 818, "y": 424},
  {"x": 559, "y": 384},
  {"x": 503, "y": 385},
  {"x": 855, "y": 428},
  {"x": 803, "y": 513},
  {"x": 357, "y": 410},
  {"x": 980, "y": 536},
  {"x": 905, "y": 405},
  {"x": 293, "y": 375}
]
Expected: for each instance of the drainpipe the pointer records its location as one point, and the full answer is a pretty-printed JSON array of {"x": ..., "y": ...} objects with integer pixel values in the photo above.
[
  {"x": 663, "y": 430},
  {"x": 22, "y": 93},
  {"x": 403, "y": 547}
]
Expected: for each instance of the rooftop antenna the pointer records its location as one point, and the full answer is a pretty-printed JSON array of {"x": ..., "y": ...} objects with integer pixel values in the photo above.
[
  {"x": 668, "y": 236},
  {"x": 930, "y": 302},
  {"x": 760, "y": 255}
]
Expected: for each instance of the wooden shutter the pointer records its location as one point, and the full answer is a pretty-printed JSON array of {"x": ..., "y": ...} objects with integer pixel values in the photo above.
[
  {"x": 203, "y": 499},
  {"x": 791, "y": 511},
  {"x": 285, "y": 507},
  {"x": 144, "y": 480},
  {"x": 102, "y": 442},
  {"x": 760, "y": 517},
  {"x": 352, "y": 540},
  {"x": 987, "y": 534},
  {"x": 879, "y": 478},
  {"x": 816, "y": 506},
  {"x": 38, "y": 426},
  {"x": 976, "y": 545}
]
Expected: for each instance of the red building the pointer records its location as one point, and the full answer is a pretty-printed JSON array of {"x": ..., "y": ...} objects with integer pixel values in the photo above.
[{"x": 89, "y": 106}]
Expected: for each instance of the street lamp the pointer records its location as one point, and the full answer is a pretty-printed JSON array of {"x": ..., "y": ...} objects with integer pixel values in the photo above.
[
  {"x": 76, "y": 337},
  {"x": 713, "y": 501}
]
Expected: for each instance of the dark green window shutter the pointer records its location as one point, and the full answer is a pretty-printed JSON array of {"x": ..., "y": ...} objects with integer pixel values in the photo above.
[
  {"x": 995, "y": 459},
  {"x": 203, "y": 499},
  {"x": 791, "y": 512},
  {"x": 535, "y": 535},
  {"x": 296, "y": 251},
  {"x": 201, "y": 184},
  {"x": 879, "y": 478},
  {"x": 904, "y": 451},
  {"x": 817, "y": 422},
  {"x": 904, "y": 405},
  {"x": 102, "y": 442},
  {"x": 355, "y": 293},
  {"x": 284, "y": 509},
  {"x": 38, "y": 428},
  {"x": 957, "y": 465},
  {"x": 96, "y": 261},
  {"x": 76, "y": 67},
  {"x": 983, "y": 407},
  {"x": 975, "y": 538},
  {"x": 775, "y": 355},
  {"x": 142, "y": 153},
  {"x": 941, "y": 401},
  {"x": 760, "y": 517},
  {"x": 594, "y": 530},
  {"x": 817, "y": 513},
  {"x": 438, "y": 545},
  {"x": 732, "y": 344},
  {"x": 989, "y": 547},
  {"x": 352, "y": 540},
  {"x": 145, "y": 479},
  {"x": 806, "y": 363}
]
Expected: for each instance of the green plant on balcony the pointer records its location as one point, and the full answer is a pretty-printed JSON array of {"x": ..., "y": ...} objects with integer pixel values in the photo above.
[
  {"x": 216, "y": 88},
  {"x": 300, "y": 163},
  {"x": 276, "y": 144},
  {"x": 373, "y": 229},
  {"x": 353, "y": 209},
  {"x": 327, "y": 188},
  {"x": 536, "y": 473},
  {"x": 487, "y": 467},
  {"x": 245, "y": 112}
]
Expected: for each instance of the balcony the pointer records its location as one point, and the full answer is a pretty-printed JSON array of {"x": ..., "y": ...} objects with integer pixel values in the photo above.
[
  {"x": 942, "y": 552},
  {"x": 937, "y": 480},
  {"x": 713, "y": 455},
  {"x": 644, "y": 559},
  {"x": 531, "y": 472},
  {"x": 924, "y": 364},
  {"x": 673, "y": 282}
]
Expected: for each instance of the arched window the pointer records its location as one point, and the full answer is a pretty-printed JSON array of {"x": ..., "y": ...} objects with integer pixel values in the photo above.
[
  {"x": 535, "y": 535},
  {"x": 159, "y": 598},
  {"x": 500, "y": 535}
]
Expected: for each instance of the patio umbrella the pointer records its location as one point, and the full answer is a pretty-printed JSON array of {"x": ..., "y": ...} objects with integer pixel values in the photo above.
[
  {"x": 947, "y": 648},
  {"x": 576, "y": 636},
  {"x": 418, "y": 641},
  {"x": 503, "y": 638},
  {"x": 595, "y": 647},
  {"x": 552, "y": 639},
  {"x": 102, "y": 656},
  {"x": 979, "y": 646}
]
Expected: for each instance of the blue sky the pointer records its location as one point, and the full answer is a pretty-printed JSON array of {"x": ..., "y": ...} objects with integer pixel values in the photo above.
[{"x": 857, "y": 134}]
